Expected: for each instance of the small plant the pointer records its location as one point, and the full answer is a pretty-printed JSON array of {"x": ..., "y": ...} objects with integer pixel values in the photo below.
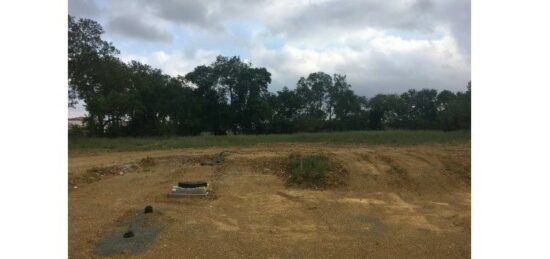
[{"x": 308, "y": 169}]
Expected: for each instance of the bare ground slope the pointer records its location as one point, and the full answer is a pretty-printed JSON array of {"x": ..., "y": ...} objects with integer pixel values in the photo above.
[{"x": 398, "y": 202}]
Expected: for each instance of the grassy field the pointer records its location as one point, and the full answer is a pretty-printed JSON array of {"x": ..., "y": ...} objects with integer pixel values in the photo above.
[{"x": 397, "y": 137}]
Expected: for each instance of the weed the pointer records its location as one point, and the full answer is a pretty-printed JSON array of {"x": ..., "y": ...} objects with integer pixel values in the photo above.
[{"x": 308, "y": 169}]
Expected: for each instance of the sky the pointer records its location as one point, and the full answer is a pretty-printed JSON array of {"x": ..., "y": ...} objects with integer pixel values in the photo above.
[{"x": 383, "y": 46}]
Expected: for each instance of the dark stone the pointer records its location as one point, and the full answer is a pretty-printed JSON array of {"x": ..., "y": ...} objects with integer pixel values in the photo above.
[
  {"x": 128, "y": 234},
  {"x": 149, "y": 209}
]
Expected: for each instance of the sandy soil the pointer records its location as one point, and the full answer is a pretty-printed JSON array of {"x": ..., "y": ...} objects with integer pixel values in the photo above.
[{"x": 398, "y": 202}]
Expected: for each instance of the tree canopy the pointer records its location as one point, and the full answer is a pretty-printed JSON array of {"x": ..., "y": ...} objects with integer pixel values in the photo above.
[{"x": 231, "y": 96}]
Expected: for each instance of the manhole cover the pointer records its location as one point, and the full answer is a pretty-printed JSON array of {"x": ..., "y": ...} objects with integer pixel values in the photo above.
[{"x": 192, "y": 188}]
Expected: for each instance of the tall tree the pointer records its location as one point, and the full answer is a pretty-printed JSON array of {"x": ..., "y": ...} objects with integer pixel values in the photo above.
[
  {"x": 85, "y": 50},
  {"x": 337, "y": 94},
  {"x": 421, "y": 108},
  {"x": 286, "y": 106},
  {"x": 232, "y": 95},
  {"x": 455, "y": 111},
  {"x": 238, "y": 91}
]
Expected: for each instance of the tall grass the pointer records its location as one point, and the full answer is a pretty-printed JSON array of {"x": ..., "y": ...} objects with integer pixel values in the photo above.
[{"x": 392, "y": 137}]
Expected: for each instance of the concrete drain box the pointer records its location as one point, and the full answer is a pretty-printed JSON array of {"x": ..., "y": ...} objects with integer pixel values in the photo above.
[{"x": 185, "y": 189}]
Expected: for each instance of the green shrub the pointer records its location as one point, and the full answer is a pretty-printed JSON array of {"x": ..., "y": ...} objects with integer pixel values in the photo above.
[
  {"x": 308, "y": 169},
  {"x": 76, "y": 131}
]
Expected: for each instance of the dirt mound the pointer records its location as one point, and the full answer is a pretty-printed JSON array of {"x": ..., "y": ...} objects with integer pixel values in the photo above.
[
  {"x": 98, "y": 173},
  {"x": 211, "y": 160},
  {"x": 327, "y": 174}
]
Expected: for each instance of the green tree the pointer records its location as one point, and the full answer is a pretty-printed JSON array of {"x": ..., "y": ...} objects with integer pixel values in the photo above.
[
  {"x": 235, "y": 90},
  {"x": 231, "y": 95},
  {"x": 336, "y": 96},
  {"x": 286, "y": 106},
  {"x": 213, "y": 97},
  {"x": 454, "y": 111},
  {"x": 421, "y": 109},
  {"x": 85, "y": 50}
]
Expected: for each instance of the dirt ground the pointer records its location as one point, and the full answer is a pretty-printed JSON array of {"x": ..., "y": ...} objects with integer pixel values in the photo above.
[{"x": 397, "y": 202}]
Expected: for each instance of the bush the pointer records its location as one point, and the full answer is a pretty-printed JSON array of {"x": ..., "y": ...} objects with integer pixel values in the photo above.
[
  {"x": 76, "y": 131},
  {"x": 310, "y": 169}
]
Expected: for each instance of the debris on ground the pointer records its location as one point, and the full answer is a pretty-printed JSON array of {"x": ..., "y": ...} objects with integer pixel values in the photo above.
[
  {"x": 95, "y": 174},
  {"x": 127, "y": 167},
  {"x": 147, "y": 162},
  {"x": 220, "y": 157}
]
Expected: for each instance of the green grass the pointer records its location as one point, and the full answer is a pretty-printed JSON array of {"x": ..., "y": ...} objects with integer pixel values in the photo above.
[
  {"x": 308, "y": 169},
  {"x": 390, "y": 137}
]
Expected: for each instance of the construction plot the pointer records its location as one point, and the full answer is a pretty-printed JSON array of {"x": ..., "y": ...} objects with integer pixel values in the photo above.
[{"x": 375, "y": 202}]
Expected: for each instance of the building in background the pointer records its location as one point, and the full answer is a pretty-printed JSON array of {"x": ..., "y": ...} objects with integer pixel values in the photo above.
[{"x": 76, "y": 121}]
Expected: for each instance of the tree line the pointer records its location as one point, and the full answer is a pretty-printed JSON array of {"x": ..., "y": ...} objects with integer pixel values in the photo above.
[{"x": 231, "y": 96}]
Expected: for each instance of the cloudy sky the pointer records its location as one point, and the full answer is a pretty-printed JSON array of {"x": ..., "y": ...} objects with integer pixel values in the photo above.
[{"x": 383, "y": 46}]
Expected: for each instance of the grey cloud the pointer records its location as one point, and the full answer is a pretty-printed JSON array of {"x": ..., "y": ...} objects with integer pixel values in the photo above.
[
  {"x": 383, "y": 75},
  {"x": 298, "y": 21},
  {"x": 140, "y": 18},
  {"x": 371, "y": 71},
  {"x": 355, "y": 14},
  {"x": 135, "y": 27},
  {"x": 207, "y": 14},
  {"x": 315, "y": 27},
  {"x": 459, "y": 15},
  {"x": 192, "y": 12},
  {"x": 83, "y": 8},
  {"x": 335, "y": 18}
]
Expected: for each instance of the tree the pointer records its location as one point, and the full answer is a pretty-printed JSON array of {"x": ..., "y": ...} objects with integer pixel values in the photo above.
[
  {"x": 286, "y": 106},
  {"x": 212, "y": 97},
  {"x": 421, "y": 109},
  {"x": 385, "y": 111},
  {"x": 455, "y": 112},
  {"x": 313, "y": 91},
  {"x": 136, "y": 99},
  {"x": 85, "y": 50},
  {"x": 105, "y": 95},
  {"x": 336, "y": 96},
  {"x": 235, "y": 90},
  {"x": 182, "y": 107}
]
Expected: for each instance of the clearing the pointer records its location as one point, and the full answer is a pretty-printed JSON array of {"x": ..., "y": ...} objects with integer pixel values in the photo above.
[{"x": 395, "y": 202}]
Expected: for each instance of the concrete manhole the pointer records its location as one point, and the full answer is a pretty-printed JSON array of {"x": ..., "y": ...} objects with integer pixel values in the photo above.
[{"x": 189, "y": 189}]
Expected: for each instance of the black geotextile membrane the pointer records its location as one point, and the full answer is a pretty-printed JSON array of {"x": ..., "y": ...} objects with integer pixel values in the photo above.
[{"x": 145, "y": 228}]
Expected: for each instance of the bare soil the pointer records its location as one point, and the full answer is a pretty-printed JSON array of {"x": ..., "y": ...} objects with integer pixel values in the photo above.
[{"x": 395, "y": 202}]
